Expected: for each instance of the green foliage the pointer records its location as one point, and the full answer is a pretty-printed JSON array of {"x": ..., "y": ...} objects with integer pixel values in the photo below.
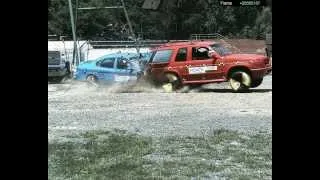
[
  {"x": 119, "y": 155},
  {"x": 263, "y": 23},
  {"x": 170, "y": 21}
]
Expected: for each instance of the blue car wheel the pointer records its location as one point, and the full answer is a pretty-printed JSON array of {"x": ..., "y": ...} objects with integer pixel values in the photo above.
[{"x": 92, "y": 79}]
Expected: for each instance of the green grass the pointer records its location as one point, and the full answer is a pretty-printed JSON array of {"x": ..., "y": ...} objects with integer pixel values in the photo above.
[{"x": 119, "y": 155}]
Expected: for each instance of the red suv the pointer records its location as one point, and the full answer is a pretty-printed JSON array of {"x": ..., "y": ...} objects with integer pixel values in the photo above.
[{"x": 202, "y": 62}]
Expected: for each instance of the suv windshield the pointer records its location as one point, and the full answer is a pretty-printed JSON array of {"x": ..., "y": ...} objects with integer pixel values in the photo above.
[{"x": 220, "y": 49}]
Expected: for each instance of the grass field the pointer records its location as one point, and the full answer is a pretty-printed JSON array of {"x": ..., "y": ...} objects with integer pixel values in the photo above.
[{"x": 118, "y": 155}]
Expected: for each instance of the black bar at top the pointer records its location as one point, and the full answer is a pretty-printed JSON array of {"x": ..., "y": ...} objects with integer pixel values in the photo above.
[{"x": 243, "y": 2}]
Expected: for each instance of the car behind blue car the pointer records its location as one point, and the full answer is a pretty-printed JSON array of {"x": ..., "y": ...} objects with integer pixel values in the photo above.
[{"x": 109, "y": 69}]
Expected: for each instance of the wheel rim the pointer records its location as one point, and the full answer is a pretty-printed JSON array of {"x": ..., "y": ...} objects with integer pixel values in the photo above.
[
  {"x": 235, "y": 84},
  {"x": 171, "y": 84},
  {"x": 240, "y": 80},
  {"x": 90, "y": 78},
  {"x": 171, "y": 78},
  {"x": 246, "y": 80}
]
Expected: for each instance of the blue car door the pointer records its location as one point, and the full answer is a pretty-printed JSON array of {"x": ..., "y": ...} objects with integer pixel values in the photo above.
[
  {"x": 105, "y": 69},
  {"x": 122, "y": 71}
]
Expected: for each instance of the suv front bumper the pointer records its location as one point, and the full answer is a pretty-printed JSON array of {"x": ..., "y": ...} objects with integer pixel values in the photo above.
[{"x": 261, "y": 72}]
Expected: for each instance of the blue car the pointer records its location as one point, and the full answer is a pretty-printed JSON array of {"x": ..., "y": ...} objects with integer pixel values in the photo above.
[
  {"x": 109, "y": 69},
  {"x": 144, "y": 59}
]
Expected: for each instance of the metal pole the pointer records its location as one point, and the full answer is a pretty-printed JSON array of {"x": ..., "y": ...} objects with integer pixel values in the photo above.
[
  {"x": 75, "y": 27},
  {"x": 126, "y": 15},
  {"x": 73, "y": 34},
  {"x": 130, "y": 26},
  {"x": 128, "y": 20},
  {"x": 76, "y": 17},
  {"x": 108, "y": 7}
]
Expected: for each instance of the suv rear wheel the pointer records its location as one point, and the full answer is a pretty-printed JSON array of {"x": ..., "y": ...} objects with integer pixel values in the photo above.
[
  {"x": 172, "y": 83},
  {"x": 240, "y": 81}
]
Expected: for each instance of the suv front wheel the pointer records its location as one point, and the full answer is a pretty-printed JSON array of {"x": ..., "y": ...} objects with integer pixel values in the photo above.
[{"x": 240, "y": 81}]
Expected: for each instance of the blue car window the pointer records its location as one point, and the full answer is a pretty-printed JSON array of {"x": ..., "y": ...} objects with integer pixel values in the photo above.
[
  {"x": 106, "y": 63},
  {"x": 122, "y": 63},
  {"x": 133, "y": 58}
]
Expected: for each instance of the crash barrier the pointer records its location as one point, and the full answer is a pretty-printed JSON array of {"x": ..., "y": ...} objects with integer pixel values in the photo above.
[
  {"x": 92, "y": 49},
  {"x": 206, "y": 36},
  {"x": 150, "y": 43},
  {"x": 129, "y": 44},
  {"x": 98, "y": 52},
  {"x": 239, "y": 45}
]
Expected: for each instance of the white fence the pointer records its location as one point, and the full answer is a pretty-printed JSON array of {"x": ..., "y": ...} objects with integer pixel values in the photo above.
[
  {"x": 87, "y": 52},
  {"x": 67, "y": 48}
]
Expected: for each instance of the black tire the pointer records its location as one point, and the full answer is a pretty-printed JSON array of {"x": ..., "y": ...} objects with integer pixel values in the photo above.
[
  {"x": 240, "y": 81},
  {"x": 68, "y": 67},
  {"x": 172, "y": 83},
  {"x": 256, "y": 83}
]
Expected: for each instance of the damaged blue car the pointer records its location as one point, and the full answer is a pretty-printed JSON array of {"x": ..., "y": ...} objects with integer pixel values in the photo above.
[{"x": 111, "y": 68}]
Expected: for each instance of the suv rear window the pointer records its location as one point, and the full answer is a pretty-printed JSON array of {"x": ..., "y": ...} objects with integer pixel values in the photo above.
[{"x": 161, "y": 56}]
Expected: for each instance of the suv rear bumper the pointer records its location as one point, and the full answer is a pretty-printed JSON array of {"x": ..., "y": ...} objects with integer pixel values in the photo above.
[{"x": 57, "y": 72}]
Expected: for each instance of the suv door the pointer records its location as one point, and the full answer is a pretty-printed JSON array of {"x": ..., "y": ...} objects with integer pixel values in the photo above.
[
  {"x": 195, "y": 65},
  {"x": 201, "y": 66},
  {"x": 179, "y": 63}
]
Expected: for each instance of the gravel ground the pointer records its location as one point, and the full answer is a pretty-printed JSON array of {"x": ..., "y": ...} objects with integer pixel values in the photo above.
[{"x": 76, "y": 107}]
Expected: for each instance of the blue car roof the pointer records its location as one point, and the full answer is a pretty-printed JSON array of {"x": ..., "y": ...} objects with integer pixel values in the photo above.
[{"x": 117, "y": 55}]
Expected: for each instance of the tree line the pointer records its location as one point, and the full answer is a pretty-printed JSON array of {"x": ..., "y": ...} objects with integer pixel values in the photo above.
[{"x": 174, "y": 19}]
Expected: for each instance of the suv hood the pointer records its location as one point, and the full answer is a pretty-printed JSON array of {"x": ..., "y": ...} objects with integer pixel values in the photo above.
[{"x": 244, "y": 57}]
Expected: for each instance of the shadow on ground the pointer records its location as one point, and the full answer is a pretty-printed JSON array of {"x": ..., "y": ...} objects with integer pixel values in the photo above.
[{"x": 230, "y": 91}]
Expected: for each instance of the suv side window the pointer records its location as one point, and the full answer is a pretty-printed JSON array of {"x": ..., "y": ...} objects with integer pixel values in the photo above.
[
  {"x": 161, "y": 56},
  {"x": 181, "y": 55},
  {"x": 200, "y": 53}
]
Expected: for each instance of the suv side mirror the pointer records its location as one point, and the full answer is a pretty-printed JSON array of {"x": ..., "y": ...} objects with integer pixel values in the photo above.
[{"x": 214, "y": 55}]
